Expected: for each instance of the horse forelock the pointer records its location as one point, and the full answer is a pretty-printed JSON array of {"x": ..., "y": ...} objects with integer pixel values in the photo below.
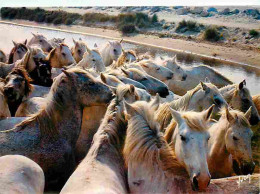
[{"x": 195, "y": 121}]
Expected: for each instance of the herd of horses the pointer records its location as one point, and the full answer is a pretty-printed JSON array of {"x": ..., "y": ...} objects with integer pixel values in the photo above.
[{"x": 106, "y": 120}]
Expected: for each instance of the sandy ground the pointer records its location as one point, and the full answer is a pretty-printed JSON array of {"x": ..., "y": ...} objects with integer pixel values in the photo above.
[{"x": 251, "y": 57}]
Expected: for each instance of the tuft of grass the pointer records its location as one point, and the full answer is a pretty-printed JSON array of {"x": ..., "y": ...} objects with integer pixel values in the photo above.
[
  {"x": 253, "y": 33},
  {"x": 211, "y": 34},
  {"x": 187, "y": 26},
  {"x": 154, "y": 18},
  {"x": 127, "y": 28}
]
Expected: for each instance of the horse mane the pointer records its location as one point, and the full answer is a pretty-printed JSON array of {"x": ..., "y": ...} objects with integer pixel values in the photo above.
[
  {"x": 19, "y": 70},
  {"x": 11, "y": 55},
  {"x": 54, "y": 100},
  {"x": 121, "y": 91},
  {"x": 146, "y": 144},
  {"x": 238, "y": 115},
  {"x": 164, "y": 114},
  {"x": 122, "y": 59}
]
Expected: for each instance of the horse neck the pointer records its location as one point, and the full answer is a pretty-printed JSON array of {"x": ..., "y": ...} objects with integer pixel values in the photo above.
[
  {"x": 66, "y": 122},
  {"x": 106, "y": 55},
  {"x": 217, "y": 142}
]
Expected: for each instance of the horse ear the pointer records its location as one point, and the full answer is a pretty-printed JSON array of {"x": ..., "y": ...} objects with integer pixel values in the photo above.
[
  {"x": 80, "y": 39},
  {"x": 121, "y": 40},
  {"x": 88, "y": 49},
  {"x": 204, "y": 87},
  {"x": 15, "y": 44},
  {"x": 103, "y": 78},
  {"x": 229, "y": 117},
  {"x": 63, "y": 39},
  {"x": 207, "y": 80},
  {"x": 175, "y": 60},
  {"x": 207, "y": 113},
  {"x": 248, "y": 113},
  {"x": 110, "y": 42},
  {"x": 155, "y": 102},
  {"x": 242, "y": 84},
  {"x": 129, "y": 109},
  {"x": 176, "y": 116},
  {"x": 33, "y": 34},
  {"x": 74, "y": 41},
  {"x": 132, "y": 89},
  {"x": 25, "y": 42},
  {"x": 127, "y": 73},
  {"x": 95, "y": 45}
]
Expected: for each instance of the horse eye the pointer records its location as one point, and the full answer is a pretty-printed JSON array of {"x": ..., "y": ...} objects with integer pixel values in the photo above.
[
  {"x": 18, "y": 52},
  {"x": 114, "y": 50},
  {"x": 183, "y": 138},
  {"x": 40, "y": 40},
  {"x": 217, "y": 101},
  {"x": 79, "y": 51},
  {"x": 158, "y": 69},
  {"x": 235, "y": 138},
  {"x": 144, "y": 79},
  {"x": 91, "y": 83},
  {"x": 179, "y": 67},
  {"x": 93, "y": 60},
  {"x": 63, "y": 54}
]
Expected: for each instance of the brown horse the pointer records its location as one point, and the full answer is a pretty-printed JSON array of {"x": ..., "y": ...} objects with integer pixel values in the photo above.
[
  {"x": 17, "y": 52},
  {"x": 230, "y": 145},
  {"x": 20, "y": 175},
  {"x": 17, "y": 87},
  {"x": 239, "y": 97},
  {"x": 49, "y": 137},
  {"x": 102, "y": 170}
]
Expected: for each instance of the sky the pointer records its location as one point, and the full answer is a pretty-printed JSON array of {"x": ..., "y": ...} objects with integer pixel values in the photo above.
[{"x": 65, "y": 3}]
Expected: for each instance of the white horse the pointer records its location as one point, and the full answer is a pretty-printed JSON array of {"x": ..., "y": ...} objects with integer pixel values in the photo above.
[
  {"x": 20, "y": 175},
  {"x": 111, "y": 51},
  {"x": 41, "y": 40},
  {"x": 92, "y": 59},
  {"x": 78, "y": 49},
  {"x": 191, "y": 76}
]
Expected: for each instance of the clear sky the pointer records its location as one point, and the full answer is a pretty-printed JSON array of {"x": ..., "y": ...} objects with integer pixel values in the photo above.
[{"x": 48, "y": 3}]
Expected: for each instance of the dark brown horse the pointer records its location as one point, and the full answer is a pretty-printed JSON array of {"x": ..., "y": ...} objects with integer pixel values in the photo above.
[{"x": 17, "y": 86}]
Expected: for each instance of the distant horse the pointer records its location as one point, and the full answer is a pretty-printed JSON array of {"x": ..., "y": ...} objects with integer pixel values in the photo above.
[
  {"x": 192, "y": 76},
  {"x": 49, "y": 136},
  {"x": 78, "y": 49},
  {"x": 55, "y": 42},
  {"x": 60, "y": 56},
  {"x": 238, "y": 97},
  {"x": 39, "y": 39},
  {"x": 197, "y": 99},
  {"x": 20, "y": 175},
  {"x": 125, "y": 57},
  {"x": 17, "y": 52},
  {"x": 153, "y": 167},
  {"x": 230, "y": 145},
  {"x": 111, "y": 51},
  {"x": 152, "y": 84},
  {"x": 3, "y": 57},
  {"x": 17, "y": 87},
  {"x": 92, "y": 59}
]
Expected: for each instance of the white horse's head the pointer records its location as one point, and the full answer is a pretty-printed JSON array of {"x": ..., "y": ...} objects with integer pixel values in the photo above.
[
  {"x": 190, "y": 142},
  {"x": 115, "y": 49},
  {"x": 42, "y": 41}
]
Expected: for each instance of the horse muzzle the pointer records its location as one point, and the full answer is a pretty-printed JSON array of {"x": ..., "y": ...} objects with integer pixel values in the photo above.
[
  {"x": 244, "y": 169},
  {"x": 10, "y": 93},
  {"x": 199, "y": 183}
]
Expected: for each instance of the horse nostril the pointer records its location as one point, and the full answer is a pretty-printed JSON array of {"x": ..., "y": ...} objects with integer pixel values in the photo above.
[
  {"x": 195, "y": 182},
  {"x": 254, "y": 120},
  {"x": 8, "y": 90},
  {"x": 184, "y": 77}
]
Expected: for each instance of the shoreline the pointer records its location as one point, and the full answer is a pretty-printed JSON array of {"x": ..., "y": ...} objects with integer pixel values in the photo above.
[{"x": 201, "y": 49}]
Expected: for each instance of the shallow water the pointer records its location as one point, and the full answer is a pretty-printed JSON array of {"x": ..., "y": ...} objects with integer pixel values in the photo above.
[{"x": 235, "y": 73}]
